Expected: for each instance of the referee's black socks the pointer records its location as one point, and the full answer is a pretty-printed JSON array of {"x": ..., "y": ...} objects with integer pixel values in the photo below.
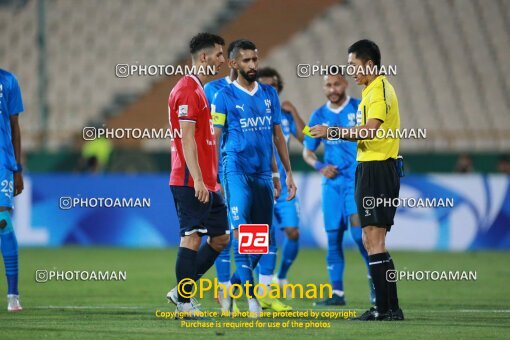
[
  {"x": 185, "y": 268},
  {"x": 392, "y": 287},
  {"x": 379, "y": 264}
]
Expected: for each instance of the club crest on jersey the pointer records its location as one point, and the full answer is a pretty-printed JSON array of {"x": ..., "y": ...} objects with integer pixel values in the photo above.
[
  {"x": 268, "y": 105},
  {"x": 358, "y": 118},
  {"x": 234, "y": 210},
  {"x": 183, "y": 110}
]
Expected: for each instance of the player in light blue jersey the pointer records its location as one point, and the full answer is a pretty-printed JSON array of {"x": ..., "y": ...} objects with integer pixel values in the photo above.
[
  {"x": 223, "y": 262},
  {"x": 338, "y": 169},
  {"x": 247, "y": 119},
  {"x": 212, "y": 87},
  {"x": 286, "y": 213},
  {"x": 11, "y": 179}
]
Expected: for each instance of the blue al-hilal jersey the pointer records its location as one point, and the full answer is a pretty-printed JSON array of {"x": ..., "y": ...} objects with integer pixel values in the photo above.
[
  {"x": 336, "y": 152},
  {"x": 212, "y": 87},
  {"x": 247, "y": 119},
  {"x": 10, "y": 104}
]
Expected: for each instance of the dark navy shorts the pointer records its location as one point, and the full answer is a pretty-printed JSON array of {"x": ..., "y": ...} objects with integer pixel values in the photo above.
[{"x": 196, "y": 217}]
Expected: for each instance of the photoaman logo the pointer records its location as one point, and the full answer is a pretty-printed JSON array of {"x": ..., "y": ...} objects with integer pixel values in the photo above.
[
  {"x": 189, "y": 288},
  {"x": 253, "y": 238}
]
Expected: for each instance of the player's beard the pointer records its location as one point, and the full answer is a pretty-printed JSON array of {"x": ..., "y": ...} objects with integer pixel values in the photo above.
[
  {"x": 341, "y": 98},
  {"x": 249, "y": 77}
]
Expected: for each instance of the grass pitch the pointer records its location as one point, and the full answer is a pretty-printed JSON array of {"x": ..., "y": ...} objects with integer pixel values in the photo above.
[{"x": 127, "y": 309}]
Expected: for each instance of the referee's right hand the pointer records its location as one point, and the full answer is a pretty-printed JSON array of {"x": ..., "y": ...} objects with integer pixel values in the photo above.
[{"x": 201, "y": 192}]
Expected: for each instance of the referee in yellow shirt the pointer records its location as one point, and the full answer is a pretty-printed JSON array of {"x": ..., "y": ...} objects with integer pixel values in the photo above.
[{"x": 377, "y": 173}]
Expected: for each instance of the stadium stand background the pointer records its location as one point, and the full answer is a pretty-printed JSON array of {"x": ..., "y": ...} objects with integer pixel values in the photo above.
[{"x": 450, "y": 59}]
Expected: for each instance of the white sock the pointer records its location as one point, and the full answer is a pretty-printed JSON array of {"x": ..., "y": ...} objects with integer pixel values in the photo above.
[
  {"x": 265, "y": 279},
  {"x": 282, "y": 282},
  {"x": 226, "y": 283},
  {"x": 338, "y": 292}
]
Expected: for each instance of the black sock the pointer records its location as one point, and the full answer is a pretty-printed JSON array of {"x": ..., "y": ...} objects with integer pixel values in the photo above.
[
  {"x": 205, "y": 259},
  {"x": 186, "y": 268},
  {"x": 378, "y": 266},
  {"x": 392, "y": 288}
]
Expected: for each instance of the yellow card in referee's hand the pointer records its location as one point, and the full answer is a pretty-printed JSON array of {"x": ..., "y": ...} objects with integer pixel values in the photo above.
[{"x": 306, "y": 131}]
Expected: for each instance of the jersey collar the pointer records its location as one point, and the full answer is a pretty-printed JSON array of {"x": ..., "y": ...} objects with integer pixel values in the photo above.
[
  {"x": 340, "y": 108},
  {"x": 251, "y": 93},
  {"x": 195, "y": 78},
  {"x": 372, "y": 84},
  {"x": 227, "y": 79}
]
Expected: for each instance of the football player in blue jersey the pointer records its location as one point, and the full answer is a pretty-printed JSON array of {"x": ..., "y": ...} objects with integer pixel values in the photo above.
[
  {"x": 286, "y": 213},
  {"x": 11, "y": 179},
  {"x": 338, "y": 170},
  {"x": 223, "y": 262},
  {"x": 247, "y": 118}
]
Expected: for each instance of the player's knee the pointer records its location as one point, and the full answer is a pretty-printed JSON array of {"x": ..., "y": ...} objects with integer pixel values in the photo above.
[
  {"x": 192, "y": 241},
  {"x": 378, "y": 246},
  {"x": 292, "y": 233},
  {"x": 355, "y": 220},
  {"x": 219, "y": 243},
  {"x": 374, "y": 242},
  {"x": 366, "y": 242}
]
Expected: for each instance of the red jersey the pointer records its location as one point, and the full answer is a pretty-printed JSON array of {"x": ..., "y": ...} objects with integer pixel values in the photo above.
[{"x": 187, "y": 102}]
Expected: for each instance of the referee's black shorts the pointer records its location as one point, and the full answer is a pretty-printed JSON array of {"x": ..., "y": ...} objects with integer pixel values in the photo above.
[
  {"x": 196, "y": 217},
  {"x": 377, "y": 179}
]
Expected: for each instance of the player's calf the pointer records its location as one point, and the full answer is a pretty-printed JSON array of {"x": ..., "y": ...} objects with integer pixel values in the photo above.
[
  {"x": 292, "y": 233},
  {"x": 9, "y": 249},
  {"x": 290, "y": 251}
]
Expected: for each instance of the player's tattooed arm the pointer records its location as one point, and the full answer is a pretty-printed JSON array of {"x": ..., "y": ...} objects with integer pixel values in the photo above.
[
  {"x": 300, "y": 124},
  {"x": 16, "y": 143},
  {"x": 189, "y": 148},
  {"x": 283, "y": 153}
]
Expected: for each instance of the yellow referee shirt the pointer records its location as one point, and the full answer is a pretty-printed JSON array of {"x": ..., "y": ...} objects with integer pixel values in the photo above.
[{"x": 378, "y": 100}]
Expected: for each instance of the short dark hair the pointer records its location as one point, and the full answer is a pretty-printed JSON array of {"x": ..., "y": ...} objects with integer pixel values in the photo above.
[
  {"x": 271, "y": 72},
  {"x": 231, "y": 47},
  {"x": 241, "y": 44},
  {"x": 366, "y": 50},
  {"x": 204, "y": 40}
]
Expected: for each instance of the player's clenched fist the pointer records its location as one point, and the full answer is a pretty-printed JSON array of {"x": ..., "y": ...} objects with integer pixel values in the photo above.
[{"x": 201, "y": 192}]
